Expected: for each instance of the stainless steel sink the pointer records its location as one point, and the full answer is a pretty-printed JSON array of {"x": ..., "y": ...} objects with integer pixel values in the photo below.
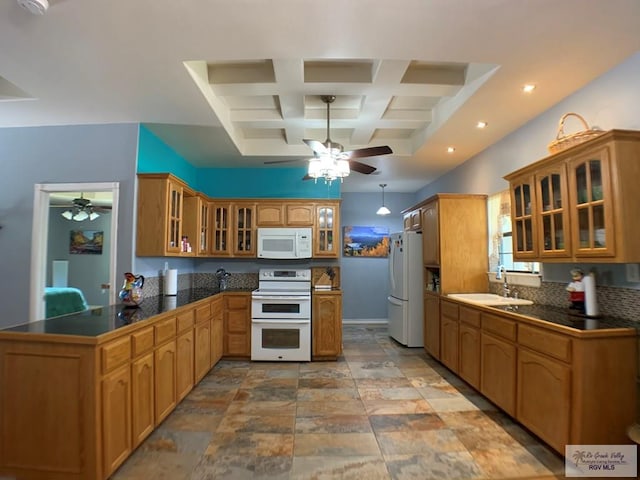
[{"x": 489, "y": 299}]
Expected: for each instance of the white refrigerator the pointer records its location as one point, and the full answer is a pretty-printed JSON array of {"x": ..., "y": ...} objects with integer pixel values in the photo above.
[{"x": 405, "y": 300}]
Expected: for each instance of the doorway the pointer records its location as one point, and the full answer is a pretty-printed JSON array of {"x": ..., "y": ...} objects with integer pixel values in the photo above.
[{"x": 40, "y": 240}]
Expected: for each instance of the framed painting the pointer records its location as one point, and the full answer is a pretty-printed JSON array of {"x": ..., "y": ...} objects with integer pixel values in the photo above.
[
  {"x": 86, "y": 242},
  {"x": 365, "y": 241}
]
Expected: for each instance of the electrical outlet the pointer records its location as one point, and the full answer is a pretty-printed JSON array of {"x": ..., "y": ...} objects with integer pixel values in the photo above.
[{"x": 633, "y": 272}]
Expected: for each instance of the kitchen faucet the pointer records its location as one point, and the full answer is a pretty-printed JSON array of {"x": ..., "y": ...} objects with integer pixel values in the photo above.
[{"x": 502, "y": 274}]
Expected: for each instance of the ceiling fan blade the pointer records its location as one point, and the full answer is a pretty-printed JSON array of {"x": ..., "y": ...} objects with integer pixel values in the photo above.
[
  {"x": 307, "y": 177},
  {"x": 368, "y": 152},
  {"x": 316, "y": 146},
  {"x": 273, "y": 162},
  {"x": 361, "y": 167}
]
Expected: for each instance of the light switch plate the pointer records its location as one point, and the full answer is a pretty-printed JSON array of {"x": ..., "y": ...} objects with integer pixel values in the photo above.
[{"x": 633, "y": 272}]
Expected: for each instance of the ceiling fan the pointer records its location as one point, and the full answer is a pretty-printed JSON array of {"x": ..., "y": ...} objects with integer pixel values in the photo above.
[
  {"x": 81, "y": 209},
  {"x": 334, "y": 150}
]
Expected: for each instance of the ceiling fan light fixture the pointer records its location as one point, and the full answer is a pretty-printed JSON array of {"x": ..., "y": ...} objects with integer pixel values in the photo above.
[
  {"x": 68, "y": 214},
  {"x": 93, "y": 215},
  {"x": 328, "y": 168},
  {"x": 80, "y": 216},
  {"x": 383, "y": 210}
]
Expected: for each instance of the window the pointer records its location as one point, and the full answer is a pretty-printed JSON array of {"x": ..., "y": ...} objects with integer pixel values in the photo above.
[{"x": 500, "y": 237}]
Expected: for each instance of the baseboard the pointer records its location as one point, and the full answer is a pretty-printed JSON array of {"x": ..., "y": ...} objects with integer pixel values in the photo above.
[{"x": 364, "y": 321}]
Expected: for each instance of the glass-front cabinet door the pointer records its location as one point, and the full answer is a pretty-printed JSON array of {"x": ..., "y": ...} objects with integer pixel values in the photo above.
[
  {"x": 244, "y": 229},
  {"x": 204, "y": 226},
  {"x": 553, "y": 229},
  {"x": 589, "y": 183},
  {"x": 220, "y": 229},
  {"x": 174, "y": 218},
  {"x": 522, "y": 219},
  {"x": 326, "y": 233}
]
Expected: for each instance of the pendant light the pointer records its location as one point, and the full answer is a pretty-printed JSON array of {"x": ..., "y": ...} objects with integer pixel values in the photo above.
[{"x": 383, "y": 210}]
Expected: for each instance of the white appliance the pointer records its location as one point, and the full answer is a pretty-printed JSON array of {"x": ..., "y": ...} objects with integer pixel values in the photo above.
[
  {"x": 405, "y": 300},
  {"x": 282, "y": 243},
  {"x": 281, "y": 315}
]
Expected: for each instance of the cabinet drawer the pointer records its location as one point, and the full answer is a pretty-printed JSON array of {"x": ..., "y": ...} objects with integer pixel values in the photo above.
[
  {"x": 552, "y": 344},
  {"x": 203, "y": 312},
  {"x": 470, "y": 316},
  {"x": 185, "y": 320},
  {"x": 449, "y": 310},
  {"x": 237, "y": 302},
  {"x": 500, "y": 326},
  {"x": 165, "y": 330},
  {"x": 141, "y": 341},
  {"x": 115, "y": 354}
]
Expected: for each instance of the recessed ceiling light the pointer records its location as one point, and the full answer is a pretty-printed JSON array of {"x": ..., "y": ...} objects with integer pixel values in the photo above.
[
  {"x": 451, "y": 149},
  {"x": 482, "y": 124},
  {"x": 528, "y": 88}
]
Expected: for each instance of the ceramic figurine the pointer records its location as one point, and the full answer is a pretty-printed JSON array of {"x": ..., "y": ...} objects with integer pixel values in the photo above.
[
  {"x": 131, "y": 293},
  {"x": 576, "y": 290}
]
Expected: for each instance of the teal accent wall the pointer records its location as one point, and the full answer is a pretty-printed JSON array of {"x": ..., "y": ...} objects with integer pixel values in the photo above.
[
  {"x": 155, "y": 156},
  {"x": 262, "y": 183}
]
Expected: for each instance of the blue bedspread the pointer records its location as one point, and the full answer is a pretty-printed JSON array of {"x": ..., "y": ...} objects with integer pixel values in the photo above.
[{"x": 61, "y": 301}]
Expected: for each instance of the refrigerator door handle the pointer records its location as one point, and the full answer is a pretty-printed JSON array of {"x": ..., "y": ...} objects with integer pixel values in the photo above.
[
  {"x": 392, "y": 267},
  {"x": 395, "y": 301}
]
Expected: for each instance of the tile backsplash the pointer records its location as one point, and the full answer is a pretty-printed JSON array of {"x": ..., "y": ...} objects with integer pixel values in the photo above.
[
  {"x": 153, "y": 285},
  {"x": 612, "y": 301}
]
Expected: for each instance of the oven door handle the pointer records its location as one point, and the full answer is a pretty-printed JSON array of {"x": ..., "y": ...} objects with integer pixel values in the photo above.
[
  {"x": 281, "y": 321},
  {"x": 301, "y": 298}
]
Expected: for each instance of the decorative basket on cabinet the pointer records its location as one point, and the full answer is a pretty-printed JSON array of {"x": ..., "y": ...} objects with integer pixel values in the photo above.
[{"x": 564, "y": 141}]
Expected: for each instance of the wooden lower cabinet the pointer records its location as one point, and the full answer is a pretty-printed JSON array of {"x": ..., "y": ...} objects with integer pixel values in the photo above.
[
  {"x": 116, "y": 418},
  {"x": 544, "y": 397},
  {"x": 142, "y": 398},
  {"x": 498, "y": 372},
  {"x": 165, "y": 380},
  {"x": 76, "y": 409},
  {"x": 469, "y": 359},
  {"x": 326, "y": 325},
  {"x": 184, "y": 364},
  {"x": 449, "y": 333},
  {"x": 237, "y": 324},
  {"x": 549, "y": 378},
  {"x": 432, "y": 324},
  {"x": 203, "y": 349},
  {"x": 217, "y": 330}
]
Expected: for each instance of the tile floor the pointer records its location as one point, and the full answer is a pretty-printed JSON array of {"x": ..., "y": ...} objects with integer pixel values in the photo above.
[{"x": 381, "y": 411}]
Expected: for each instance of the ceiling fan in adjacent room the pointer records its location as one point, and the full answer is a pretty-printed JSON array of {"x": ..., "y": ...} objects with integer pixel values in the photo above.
[
  {"x": 82, "y": 209},
  {"x": 330, "y": 161}
]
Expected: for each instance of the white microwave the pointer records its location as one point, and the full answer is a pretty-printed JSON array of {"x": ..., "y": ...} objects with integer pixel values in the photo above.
[{"x": 284, "y": 243}]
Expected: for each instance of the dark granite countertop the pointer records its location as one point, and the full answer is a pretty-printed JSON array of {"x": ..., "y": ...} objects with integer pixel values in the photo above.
[
  {"x": 102, "y": 320},
  {"x": 564, "y": 317}
]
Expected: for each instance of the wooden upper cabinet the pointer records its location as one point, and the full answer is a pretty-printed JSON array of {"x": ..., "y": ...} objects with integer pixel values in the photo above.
[
  {"x": 197, "y": 223},
  {"x": 593, "y": 231},
  {"x": 299, "y": 214},
  {"x": 270, "y": 214},
  {"x": 244, "y": 229},
  {"x": 160, "y": 215},
  {"x": 554, "y": 239},
  {"x": 171, "y": 215},
  {"x": 220, "y": 228},
  {"x": 326, "y": 232},
  {"x": 522, "y": 217},
  {"x": 412, "y": 220},
  {"x": 583, "y": 205},
  {"x": 430, "y": 234},
  {"x": 284, "y": 214}
]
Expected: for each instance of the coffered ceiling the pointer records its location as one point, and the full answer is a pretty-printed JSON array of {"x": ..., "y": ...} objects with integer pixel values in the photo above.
[{"x": 235, "y": 84}]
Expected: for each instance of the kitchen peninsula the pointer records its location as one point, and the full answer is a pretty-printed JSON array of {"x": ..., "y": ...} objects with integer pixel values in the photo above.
[{"x": 80, "y": 392}]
